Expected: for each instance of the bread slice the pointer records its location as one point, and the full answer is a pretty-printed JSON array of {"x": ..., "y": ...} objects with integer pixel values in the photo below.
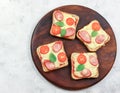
[
  {"x": 93, "y": 36},
  {"x": 84, "y": 65},
  {"x": 52, "y": 56},
  {"x": 64, "y": 24}
]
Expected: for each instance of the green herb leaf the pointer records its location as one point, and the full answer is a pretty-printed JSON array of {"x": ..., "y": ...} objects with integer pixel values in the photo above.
[
  {"x": 94, "y": 33},
  {"x": 80, "y": 67},
  {"x": 59, "y": 23},
  {"x": 63, "y": 32},
  {"x": 52, "y": 57}
]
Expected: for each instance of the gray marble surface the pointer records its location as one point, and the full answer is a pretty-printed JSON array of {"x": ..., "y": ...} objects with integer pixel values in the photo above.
[{"x": 18, "y": 19}]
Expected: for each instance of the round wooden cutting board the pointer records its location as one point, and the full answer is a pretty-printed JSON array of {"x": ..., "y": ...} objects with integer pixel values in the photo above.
[{"x": 62, "y": 77}]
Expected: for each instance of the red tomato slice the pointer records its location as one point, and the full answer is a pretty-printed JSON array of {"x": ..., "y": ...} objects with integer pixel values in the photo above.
[
  {"x": 55, "y": 29},
  {"x": 58, "y": 15},
  {"x": 85, "y": 36},
  {"x": 100, "y": 39},
  {"x": 44, "y": 49},
  {"x": 70, "y": 21},
  {"x": 70, "y": 31},
  {"x": 49, "y": 65},
  {"x": 62, "y": 57},
  {"x": 95, "y": 26},
  {"x": 57, "y": 46},
  {"x": 93, "y": 60},
  {"x": 81, "y": 59},
  {"x": 86, "y": 73}
]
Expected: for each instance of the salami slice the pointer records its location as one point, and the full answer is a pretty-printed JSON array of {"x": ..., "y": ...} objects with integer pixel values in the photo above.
[
  {"x": 86, "y": 73},
  {"x": 85, "y": 36},
  {"x": 57, "y": 46},
  {"x": 58, "y": 15},
  {"x": 70, "y": 31},
  {"x": 49, "y": 65},
  {"x": 93, "y": 60},
  {"x": 100, "y": 39}
]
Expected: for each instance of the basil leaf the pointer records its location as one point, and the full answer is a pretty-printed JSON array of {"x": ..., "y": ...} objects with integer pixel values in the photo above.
[
  {"x": 59, "y": 23},
  {"x": 63, "y": 32},
  {"x": 52, "y": 57},
  {"x": 80, "y": 67},
  {"x": 94, "y": 33}
]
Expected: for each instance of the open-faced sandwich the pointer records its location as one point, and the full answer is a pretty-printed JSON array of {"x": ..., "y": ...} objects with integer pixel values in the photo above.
[
  {"x": 64, "y": 24},
  {"x": 52, "y": 56},
  {"x": 93, "y": 36},
  {"x": 84, "y": 65}
]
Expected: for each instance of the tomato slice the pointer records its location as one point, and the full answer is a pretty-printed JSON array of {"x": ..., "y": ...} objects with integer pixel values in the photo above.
[
  {"x": 55, "y": 29},
  {"x": 81, "y": 59},
  {"x": 93, "y": 60},
  {"x": 44, "y": 49},
  {"x": 58, "y": 15},
  {"x": 62, "y": 57},
  {"x": 84, "y": 36},
  {"x": 70, "y": 21},
  {"x": 57, "y": 46},
  {"x": 86, "y": 73},
  {"x": 49, "y": 65},
  {"x": 96, "y": 26},
  {"x": 100, "y": 39},
  {"x": 70, "y": 31}
]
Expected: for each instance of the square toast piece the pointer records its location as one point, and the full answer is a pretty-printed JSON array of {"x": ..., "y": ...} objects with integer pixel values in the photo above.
[
  {"x": 84, "y": 65},
  {"x": 64, "y": 24},
  {"x": 52, "y": 56},
  {"x": 93, "y": 36}
]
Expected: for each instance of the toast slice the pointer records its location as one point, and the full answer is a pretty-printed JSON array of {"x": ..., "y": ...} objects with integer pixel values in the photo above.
[
  {"x": 84, "y": 65},
  {"x": 52, "y": 56},
  {"x": 93, "y": 36}
]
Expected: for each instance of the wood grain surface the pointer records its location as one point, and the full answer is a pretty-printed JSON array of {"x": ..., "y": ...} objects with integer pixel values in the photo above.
[{"x": 62, "y": 77}]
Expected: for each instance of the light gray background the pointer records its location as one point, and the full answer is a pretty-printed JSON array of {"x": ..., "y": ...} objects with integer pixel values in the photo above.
[{"x": 18, "y": 19}]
